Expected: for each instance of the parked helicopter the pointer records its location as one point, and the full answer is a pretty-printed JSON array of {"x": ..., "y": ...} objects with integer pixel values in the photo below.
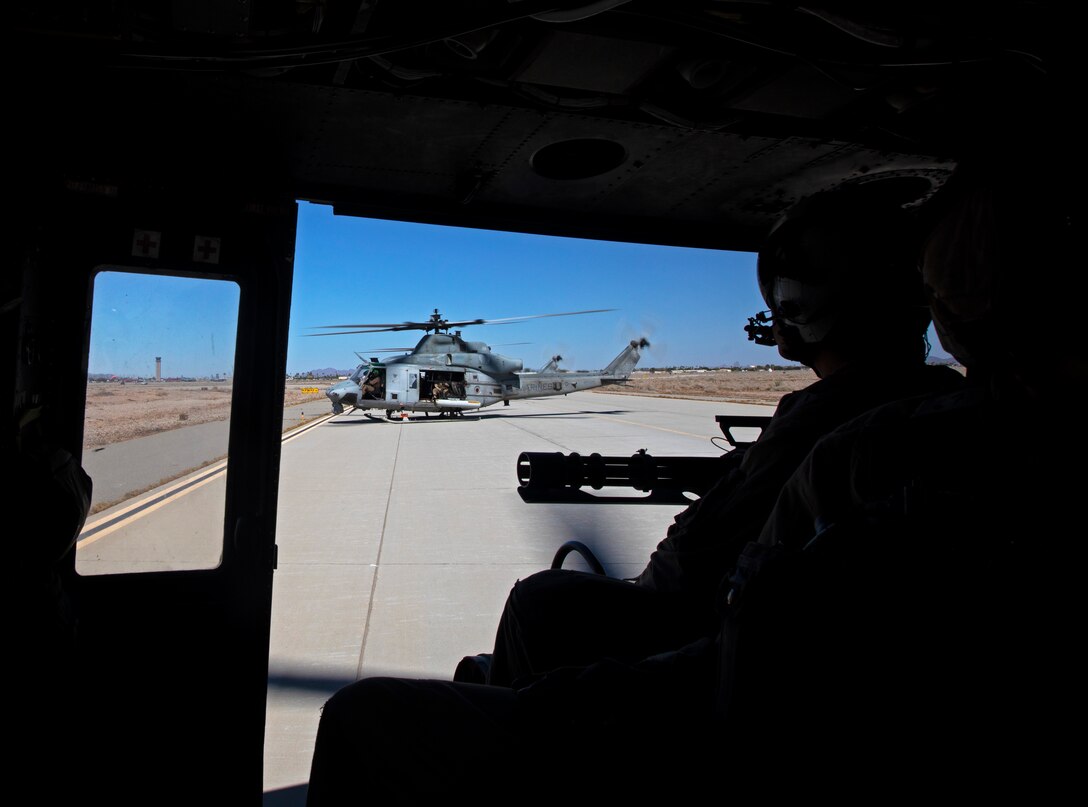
[{"x": 448, "y": 375}]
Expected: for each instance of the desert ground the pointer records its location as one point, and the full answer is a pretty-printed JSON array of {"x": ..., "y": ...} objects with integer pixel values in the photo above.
[
  {"x": 734, "y": 386},
  {"x": 117, "y": 412},
  {"x": 123, "y": 411}
]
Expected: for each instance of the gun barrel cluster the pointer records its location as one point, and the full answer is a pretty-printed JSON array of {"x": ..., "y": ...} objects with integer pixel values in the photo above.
[{"x": 544, "y": 475}]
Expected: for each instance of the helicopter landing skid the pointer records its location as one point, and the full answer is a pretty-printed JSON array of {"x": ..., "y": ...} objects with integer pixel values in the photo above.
[
  {"x": 451, "y": 414},
  {"x": 379, "y": 417}
]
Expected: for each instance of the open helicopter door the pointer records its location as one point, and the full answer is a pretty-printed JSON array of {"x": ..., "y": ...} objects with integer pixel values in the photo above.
[
  {"x": 443, "y": 387},
  {"x": 375, "y": 381},
  {"x": 166, "y": 701}
]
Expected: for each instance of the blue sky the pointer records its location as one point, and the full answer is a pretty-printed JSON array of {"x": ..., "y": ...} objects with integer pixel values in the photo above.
[
  {"x": 692, "y": 304},
  {"x": 190, "y": 324}
]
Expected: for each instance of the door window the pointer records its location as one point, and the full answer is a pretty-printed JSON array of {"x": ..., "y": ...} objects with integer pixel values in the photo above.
[{"x": 159, "y": 398}]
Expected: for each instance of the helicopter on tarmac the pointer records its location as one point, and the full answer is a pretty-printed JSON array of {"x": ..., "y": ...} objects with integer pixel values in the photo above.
[{"x": 448, "y": 375}]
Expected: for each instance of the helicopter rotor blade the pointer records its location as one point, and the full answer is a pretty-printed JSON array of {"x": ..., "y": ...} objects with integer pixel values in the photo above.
[
  {"x": 381, "y": 326},
  {"x": 507, "y": 320},
  {"x": 436, "y": 323},
  {"x": 406, "y": 326},
  {"x": 360, "y": 353}
]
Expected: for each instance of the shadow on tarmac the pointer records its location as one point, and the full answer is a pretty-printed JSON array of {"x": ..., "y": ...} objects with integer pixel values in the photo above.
[{"x": 473, "y": 418}]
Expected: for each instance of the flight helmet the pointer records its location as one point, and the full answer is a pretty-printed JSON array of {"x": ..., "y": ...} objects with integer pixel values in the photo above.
[
  {"x": 1001, "y": 273},
  {"x": 841, "y": 268}
]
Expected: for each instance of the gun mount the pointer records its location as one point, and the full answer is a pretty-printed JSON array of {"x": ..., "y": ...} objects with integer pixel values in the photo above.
[{"x": 733, "y": 427}]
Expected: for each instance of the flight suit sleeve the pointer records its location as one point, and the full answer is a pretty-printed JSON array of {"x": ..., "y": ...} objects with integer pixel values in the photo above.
[
  {"x": 856, "y": 463},
  {"x": 703, "y": 542}
]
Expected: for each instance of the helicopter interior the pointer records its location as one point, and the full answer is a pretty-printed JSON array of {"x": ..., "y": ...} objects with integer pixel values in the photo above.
[
  {"x": 691, "y": 124},
  {"x": 439, "y": 384}
]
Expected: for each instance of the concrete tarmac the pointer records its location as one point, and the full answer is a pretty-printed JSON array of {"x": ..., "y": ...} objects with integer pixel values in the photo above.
[
  {"x": 123, "y": 469},
  {"x": 399, "y": 541}
]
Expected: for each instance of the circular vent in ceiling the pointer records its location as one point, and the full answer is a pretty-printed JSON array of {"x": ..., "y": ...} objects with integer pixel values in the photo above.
[{"x": 578, "y": 159}]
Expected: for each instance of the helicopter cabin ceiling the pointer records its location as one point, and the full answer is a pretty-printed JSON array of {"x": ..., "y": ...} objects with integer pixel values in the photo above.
[{"x": 691, "y": 123}]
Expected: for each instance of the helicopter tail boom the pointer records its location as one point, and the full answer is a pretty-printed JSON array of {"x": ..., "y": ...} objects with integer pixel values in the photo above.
[{"x": 621, "y": 366}]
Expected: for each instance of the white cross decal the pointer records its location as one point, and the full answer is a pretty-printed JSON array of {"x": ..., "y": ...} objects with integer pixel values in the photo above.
[
  {"x": 206, "y": 250},
  {"x": 145, "y": 243}
]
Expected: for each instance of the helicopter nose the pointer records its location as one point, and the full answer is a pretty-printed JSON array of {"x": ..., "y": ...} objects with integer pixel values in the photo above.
[{"x": 343, "y": 393}]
